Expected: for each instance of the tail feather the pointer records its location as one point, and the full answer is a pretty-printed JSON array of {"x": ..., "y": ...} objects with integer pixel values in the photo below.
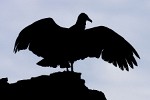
[{"x": 48, "y": 63}]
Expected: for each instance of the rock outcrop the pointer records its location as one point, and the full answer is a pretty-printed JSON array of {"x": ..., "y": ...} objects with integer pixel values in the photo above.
[{"x": 59, "y": 85}]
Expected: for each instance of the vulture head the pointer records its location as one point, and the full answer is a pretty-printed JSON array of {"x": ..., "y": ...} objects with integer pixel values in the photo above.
[
  {"x": 83, "y": 18},
  {"x": 81, "y": 22}
]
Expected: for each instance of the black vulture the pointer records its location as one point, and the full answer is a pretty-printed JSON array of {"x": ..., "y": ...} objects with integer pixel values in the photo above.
[{"x": 60, "y": 46}]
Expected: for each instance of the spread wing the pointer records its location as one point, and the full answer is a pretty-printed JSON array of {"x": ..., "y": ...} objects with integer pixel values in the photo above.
[
  {"x": 113, "y": 48},
  {"x": 40, "y": 37}
]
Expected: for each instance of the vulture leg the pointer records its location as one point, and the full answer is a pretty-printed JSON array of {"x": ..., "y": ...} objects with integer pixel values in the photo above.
[
  {"x": 72, "y": 67},
  {"x": 67, "y": 69}
]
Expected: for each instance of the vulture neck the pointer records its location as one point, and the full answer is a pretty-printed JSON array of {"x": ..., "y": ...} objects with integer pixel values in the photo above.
[{"x": 80, "y": 25}]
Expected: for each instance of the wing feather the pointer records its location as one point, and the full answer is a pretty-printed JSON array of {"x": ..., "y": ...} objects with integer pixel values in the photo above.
[
  {"x": 40, "y": 37},
  {"x": 113, "y": 47},
  {"x": 22, "y": 40}
]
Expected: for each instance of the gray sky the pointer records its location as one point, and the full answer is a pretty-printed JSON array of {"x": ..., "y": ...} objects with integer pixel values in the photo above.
[{"x": 129, "y": 18}]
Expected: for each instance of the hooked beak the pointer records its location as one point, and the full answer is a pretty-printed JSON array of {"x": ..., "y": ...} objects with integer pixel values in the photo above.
[{"x": 89, "y": 20}]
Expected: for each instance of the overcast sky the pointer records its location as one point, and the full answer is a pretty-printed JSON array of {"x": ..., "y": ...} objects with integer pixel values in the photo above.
[{"x": 129, "y": 18}]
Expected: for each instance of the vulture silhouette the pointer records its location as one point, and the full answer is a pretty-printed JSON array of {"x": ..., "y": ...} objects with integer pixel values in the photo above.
[{"x": 60, "y": 46}]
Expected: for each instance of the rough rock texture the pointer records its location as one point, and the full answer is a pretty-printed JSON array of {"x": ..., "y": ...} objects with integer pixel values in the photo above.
[{"x": 59, "y": 85}]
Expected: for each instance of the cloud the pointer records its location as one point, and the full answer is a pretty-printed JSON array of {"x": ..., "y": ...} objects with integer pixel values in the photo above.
[{"x": 129, "y": 18}]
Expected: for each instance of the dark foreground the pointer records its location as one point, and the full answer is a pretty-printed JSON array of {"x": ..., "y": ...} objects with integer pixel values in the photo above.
[{"x": 59, "y": 85}]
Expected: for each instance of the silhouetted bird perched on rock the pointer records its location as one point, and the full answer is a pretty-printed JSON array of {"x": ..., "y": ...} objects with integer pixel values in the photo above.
[{"x": 60, "y": 46}]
